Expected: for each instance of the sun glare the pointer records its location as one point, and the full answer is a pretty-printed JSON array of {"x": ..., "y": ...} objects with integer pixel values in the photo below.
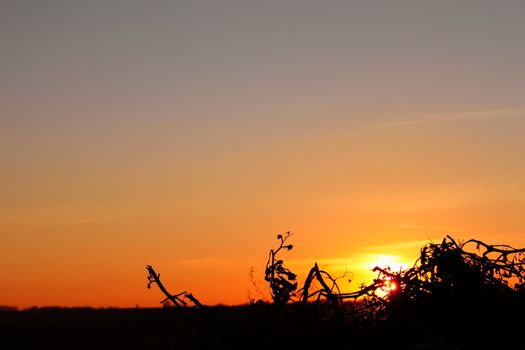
[
  {"x": 394, "y": 262},
  {"x": 389, "y": 287}
]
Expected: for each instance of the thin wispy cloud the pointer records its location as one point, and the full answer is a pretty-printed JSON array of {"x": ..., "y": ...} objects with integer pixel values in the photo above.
[
  {"x": 465, "y": 116},
  {"x": 443, "y": 230},
  {"x": 425, "y": 227},
  {"x": 400, "y": 245},
  {"x": 86, "y": 221},
  {"x": 214, "y": 261}
]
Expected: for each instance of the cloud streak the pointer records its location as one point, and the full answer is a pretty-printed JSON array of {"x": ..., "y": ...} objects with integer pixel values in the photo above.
[
  {"x": 86, "y": 221},
  {"x": 459, "y": 117},
  {"x": 401, "y": 245}
]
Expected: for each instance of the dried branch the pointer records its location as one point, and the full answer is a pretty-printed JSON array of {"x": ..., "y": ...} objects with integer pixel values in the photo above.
[
  {"x": 444, "y": 270},
  {"x": 175, "y": 299}
]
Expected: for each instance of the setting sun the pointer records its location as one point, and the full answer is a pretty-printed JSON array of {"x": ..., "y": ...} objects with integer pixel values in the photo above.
[{"x": 393, "y": 262}]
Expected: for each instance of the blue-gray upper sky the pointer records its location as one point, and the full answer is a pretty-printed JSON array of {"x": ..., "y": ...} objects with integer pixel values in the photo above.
[{"x": 245, "y": 61}]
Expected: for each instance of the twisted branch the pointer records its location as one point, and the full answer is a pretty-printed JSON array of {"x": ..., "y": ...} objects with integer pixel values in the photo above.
[{"x": 153, "y": 277}]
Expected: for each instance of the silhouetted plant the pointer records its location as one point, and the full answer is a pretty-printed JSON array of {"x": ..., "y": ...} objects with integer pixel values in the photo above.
[
  {"x": 256, "y": 289},
  {"x": 444, "y": 271},
  {"x": 283, "y": 282},
  {"x": 175, "y": 299},
  {"x": 473, "y": 286},
  {"x": 452, "y": 284},
  {"x": 453, "y": 268}
]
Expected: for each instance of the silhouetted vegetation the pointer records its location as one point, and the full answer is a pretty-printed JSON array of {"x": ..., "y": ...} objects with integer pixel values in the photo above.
[
  {"x": 457, "y": 295},
  {"x": 175, "y": 299},
  {"x": 454, "y": 291},
  {"x": 283, "y": 282}
]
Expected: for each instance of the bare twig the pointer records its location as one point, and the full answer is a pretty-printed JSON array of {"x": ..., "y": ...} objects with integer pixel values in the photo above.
[{"x": 175, "y": 299}]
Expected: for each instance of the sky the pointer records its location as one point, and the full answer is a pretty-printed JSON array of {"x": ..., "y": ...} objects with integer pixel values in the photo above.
[{"x": 188, "y": 134}]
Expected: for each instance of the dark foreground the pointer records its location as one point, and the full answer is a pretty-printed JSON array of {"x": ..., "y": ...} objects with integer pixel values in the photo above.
[
  {"x": 209, "y": 327},
  {"x": 252, "y": 326}
]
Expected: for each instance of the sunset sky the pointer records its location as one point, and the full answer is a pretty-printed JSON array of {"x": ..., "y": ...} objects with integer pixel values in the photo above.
[{"x": 188, "y": 134}]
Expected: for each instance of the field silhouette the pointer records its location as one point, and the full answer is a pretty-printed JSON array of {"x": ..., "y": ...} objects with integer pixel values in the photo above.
[{"x": 458, "y": 295}]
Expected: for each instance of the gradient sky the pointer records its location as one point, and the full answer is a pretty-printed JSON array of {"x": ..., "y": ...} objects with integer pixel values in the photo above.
[{"x": 187, "y": 134}]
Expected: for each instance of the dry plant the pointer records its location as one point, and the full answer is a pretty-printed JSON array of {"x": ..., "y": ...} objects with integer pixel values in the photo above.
[
  {"x": 445, "y": 270},
  {"x": 446, "y": 273},
  {"x": 283, "y": 282},
  {"x": 175, "y": 299}
]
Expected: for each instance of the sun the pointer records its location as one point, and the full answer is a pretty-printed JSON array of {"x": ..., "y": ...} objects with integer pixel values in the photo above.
[
  {"x": 393, "y": 262},
  {"x": 389, "y": 287}
]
